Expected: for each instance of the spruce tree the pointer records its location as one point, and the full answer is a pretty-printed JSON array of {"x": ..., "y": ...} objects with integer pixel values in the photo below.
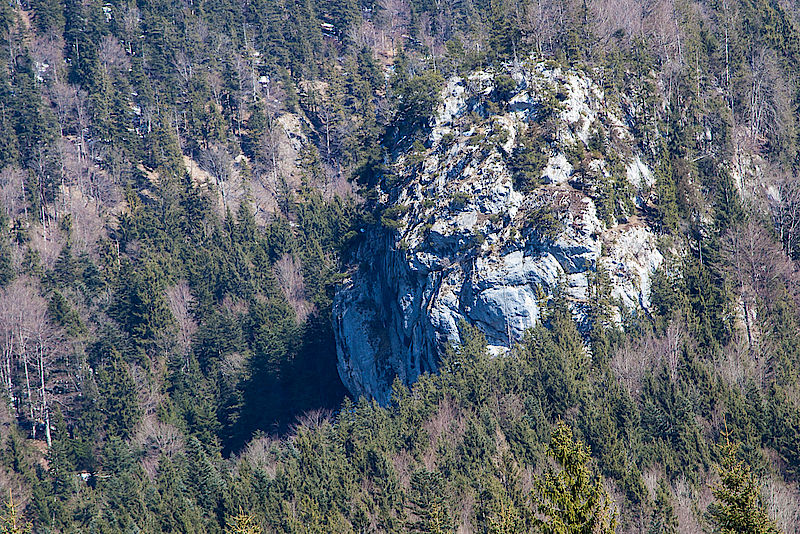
[
  {"x": 572, "y": 500},
  {"x": 664, "y": 519},
  {"x": 739, "y": 508},
  {"x": 10, "y": 520},
  {"x": 429, "y": 504},
  {"x": 242, "y": 523}
]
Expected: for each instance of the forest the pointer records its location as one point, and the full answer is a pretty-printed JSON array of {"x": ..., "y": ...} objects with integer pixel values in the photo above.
[{"x": 182, "y": 187}]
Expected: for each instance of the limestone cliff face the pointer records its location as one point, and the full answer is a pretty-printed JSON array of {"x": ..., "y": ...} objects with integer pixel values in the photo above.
[{"x": 461, "y": 242}]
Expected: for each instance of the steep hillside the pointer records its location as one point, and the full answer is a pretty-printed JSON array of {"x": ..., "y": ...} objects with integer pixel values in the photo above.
[{"x": 550, "y": 247}]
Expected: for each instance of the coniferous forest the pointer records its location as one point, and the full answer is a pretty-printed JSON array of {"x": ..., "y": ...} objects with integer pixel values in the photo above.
[{"x": 184, "y": 185}]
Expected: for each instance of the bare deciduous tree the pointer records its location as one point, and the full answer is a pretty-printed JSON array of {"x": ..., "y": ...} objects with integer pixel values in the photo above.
[
  {"x": 736, "y": 363},
  {"x": 446, "y": 422},
  {"x": 218, "y": 163},
  {"x": 671, "y": 346},
  {"x": 130, "y": 16},
  {"x": 785, "y": 207},
  {"x": 183, "y": 64},
  {"x": 113, "y": 58},
  {"x": 688, "y": 502},
  {"x": 233, "y": 365},
  {"x": 13, "y": 197},
  {"x": 87, "y": 225},
  {"x": 618, "y": 18},
  {"x": 633, "y": 359},
  {"x": 394, "y": 18},
  {"x": 48, "y": 243},
  {"x": 262, "y": 454},
  {"x": 313, "y": 420},
  {"x": 759, "y": 268},
  {"x": 63, "y": 95},
  {"x": 180, "y": 301},
  {"x": 783, "y": 502},
  {"x": 364, "y": 35},
  {"x": 289, "y": 272},
  {"x": 32, "y": 342},
  {"x": 8, "y": 337},
  {"x": 269, "y": 150},
  {"x": 769, "y": 108},
  {"x": 47, "y": 340},
  {"x": 157, "y": 439},
  {"x": 148, "y": 391},
  {"x": 48, "y": 54}
]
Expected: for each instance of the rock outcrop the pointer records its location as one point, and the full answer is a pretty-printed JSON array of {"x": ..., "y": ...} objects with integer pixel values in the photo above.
[{"x": 460, "y": 241}]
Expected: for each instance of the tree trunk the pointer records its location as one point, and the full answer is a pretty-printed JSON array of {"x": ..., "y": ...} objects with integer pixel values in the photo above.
[
  {"x": 45, "y": 410},
  {"x": 747, "y": 319},
  {"x": 30, "y": 397}
]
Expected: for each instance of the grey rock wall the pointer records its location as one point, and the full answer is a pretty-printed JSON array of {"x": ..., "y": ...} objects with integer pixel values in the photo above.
[{"x": 470, "y": 247}]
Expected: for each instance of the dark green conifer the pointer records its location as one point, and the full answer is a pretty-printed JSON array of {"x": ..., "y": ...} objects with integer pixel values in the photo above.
[
  {"x": 570, "y": 499},
  {"x": 739, "y": 507}
]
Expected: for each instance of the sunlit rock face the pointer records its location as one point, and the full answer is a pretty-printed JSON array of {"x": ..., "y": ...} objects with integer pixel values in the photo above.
[{"x": 466, "y": 244}]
